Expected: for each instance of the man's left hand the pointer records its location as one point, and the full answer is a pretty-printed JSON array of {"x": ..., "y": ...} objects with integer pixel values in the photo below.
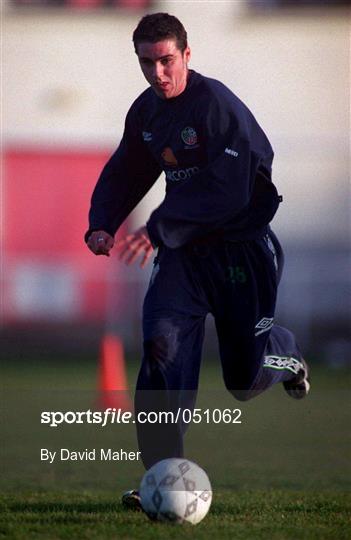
[{"x": 135, "y": 244}]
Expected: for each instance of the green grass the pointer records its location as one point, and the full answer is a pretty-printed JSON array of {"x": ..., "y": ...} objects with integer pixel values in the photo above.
[
  {"x": 284, "y": 473},
  {"x": 240, "y": 515}
]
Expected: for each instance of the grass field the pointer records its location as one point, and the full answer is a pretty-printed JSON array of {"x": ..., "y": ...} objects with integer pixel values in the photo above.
[
  {"x": 284, "y": 473},
  {"x": 242, "y": 514}
]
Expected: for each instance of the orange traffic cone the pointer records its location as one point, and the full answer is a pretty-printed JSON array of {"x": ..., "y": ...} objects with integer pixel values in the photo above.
[{"x": 112, "y": 376}]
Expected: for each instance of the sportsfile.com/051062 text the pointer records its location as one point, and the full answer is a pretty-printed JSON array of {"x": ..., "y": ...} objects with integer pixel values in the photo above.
[{"x": 117, "y": 416}]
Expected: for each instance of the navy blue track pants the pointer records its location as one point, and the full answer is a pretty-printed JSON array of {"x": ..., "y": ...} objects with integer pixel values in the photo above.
[{"x": 237, "y": 283}]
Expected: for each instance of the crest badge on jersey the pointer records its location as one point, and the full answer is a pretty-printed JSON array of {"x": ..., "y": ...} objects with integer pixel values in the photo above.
[{"x": 189, "y": 136}]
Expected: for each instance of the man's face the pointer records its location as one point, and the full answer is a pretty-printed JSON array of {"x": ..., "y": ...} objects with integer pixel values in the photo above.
[{"x": 164, "y": 67}]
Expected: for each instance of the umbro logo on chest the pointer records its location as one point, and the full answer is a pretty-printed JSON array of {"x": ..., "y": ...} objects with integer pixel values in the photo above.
[{"x": 147, "y": 136}]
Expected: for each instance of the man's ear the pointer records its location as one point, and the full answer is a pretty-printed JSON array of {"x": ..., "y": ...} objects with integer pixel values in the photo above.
[{"x": 187, "y": 54}]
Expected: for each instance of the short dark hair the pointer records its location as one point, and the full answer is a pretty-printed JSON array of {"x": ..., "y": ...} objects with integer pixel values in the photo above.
[{"x": 158, "y": 27}]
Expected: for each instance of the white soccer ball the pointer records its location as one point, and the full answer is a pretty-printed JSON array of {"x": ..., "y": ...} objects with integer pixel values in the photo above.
[{"x": 176, "y": 490}]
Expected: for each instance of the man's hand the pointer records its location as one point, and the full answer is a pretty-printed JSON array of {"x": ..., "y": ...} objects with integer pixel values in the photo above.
[
  {"x": 100, "y": 243},
  {"x": 133, "y": 245}
]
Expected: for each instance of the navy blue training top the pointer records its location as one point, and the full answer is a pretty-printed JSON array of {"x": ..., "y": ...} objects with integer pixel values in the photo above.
[{"x": 217, "y": 162}]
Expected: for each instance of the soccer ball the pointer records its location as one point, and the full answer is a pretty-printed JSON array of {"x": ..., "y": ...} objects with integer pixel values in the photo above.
[{"x": 176, "y": 490}]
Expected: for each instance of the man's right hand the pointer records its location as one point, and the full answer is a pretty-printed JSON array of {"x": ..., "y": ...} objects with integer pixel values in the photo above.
[{"x": 100, "y": 243}]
